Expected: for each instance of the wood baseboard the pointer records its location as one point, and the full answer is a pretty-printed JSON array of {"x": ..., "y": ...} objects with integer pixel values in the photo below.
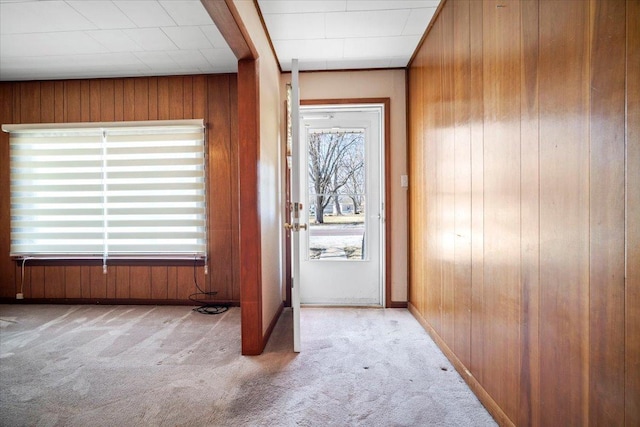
[
  {"x": 397, "y": 304},
  {"x": 496, "y": 412}
]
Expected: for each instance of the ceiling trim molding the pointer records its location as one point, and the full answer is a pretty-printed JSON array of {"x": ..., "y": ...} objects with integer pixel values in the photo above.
[
  {"x": 227, "y": 18},
  {"x": 348, "y": 70}
]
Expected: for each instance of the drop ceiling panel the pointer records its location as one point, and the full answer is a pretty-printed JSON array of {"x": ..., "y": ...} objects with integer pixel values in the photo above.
[
  {"x": 318, "y": 50},
  {"x": 417, "y": 18},
  {"x": 366, "y": 24},
  {"x": 398, "y": 62},
  {"x": 349, "y": 34},
  {"x": 73, "y": 66},
  {"x": 358, "y": 64},
  {"x": 105, "y": 38},
  {"x": 103, "y": 14},
  {"x": 313, "y": 65},
  {"x": 187, "y": 37},
  {"x": 186, "y": 13},
  {"x": 385, "y": 47},
  {"x": 151, "y": 39},
  {"x": 41, "y": 17},
  {"x": 297, "y": 26},
  {"x": 159, "y": 60},
  {"x": 272, "y": 7},
  {"x": 145, "y": 13},
  {"x": 212, "y": 34},
  {"x": 190, "y": 59},
  {"x": 47, "y": 44},
  {"x": 221, "y": 60},
  {"x": 353, "y": 5},
  {"x": 116, "y": 38}
]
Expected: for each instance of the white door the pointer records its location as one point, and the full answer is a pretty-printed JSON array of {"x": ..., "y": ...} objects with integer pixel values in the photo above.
[
  {"x": 340, "y": 156},
  {"x": 296, "y": 207}
]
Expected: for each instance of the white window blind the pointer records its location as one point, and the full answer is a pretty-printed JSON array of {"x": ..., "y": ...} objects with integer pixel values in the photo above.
[{"x": 125, "y": 189}]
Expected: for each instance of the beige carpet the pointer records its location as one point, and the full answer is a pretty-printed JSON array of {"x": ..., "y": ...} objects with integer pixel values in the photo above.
[{"x": 169, "y": 366}]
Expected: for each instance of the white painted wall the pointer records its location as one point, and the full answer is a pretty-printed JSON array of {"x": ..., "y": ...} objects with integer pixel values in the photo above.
[{"x": 270, "y": 188}]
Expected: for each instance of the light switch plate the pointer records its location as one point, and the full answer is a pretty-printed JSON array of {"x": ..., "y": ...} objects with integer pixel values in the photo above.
[{"x": 404, "y": 181}]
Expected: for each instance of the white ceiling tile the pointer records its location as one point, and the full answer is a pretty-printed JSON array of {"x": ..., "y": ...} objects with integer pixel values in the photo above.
[
  {"x": 114, "y": 40},
  {"x": 145, "y": 13},
  {"x": 358, "y": 64},
  {"x": 41, "y": 17},
  {"x": 389, "y": 4},
  {"x": 418, "y": 20},
  {"x": 297, "y": 6},
  {"x": 296, "y": 26},
  {"x": 17, "y": 66},
  {"x": 380, "y": 47},
  {"x": 366, "y": 24},
  {"x": 101, "y": 38},
  {"x": 221, "y": 59},
  {"x": 104, "y": 14},
  {"x": 185, "y": 12},
  {"x": 187, "y": 37},
  {"x": 212, "y": 33},
  {"x": 189, "y": 59},
  {"x": 306, "y": 65},
  {"x": 66, "y": 66},
  {"x": 151, "y": 39},
  {"x": 432, "y": 3},
  {"x": 399, "y": 62},
  {"x": 223, "y": 68},
  {"x": 323, "y": 49},
  {"x": 159, "y": 61},
  {"x": 125, "y": 61},
  {"x": 17, "y": 75},
  {"x": 77, "y": 43}
]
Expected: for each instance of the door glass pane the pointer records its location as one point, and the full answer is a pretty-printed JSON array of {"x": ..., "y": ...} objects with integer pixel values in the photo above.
[{"x": 336, "y": 194}]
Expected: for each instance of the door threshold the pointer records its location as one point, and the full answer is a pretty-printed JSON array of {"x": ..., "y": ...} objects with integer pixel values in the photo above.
[{"x": 341, "y": 306}]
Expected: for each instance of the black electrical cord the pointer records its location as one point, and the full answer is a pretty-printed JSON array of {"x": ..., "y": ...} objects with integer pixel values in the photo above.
[{"x": 205, "y": 307}]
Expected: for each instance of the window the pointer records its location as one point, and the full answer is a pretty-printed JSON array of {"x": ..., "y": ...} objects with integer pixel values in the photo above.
[{"x": 108, "y": 190}]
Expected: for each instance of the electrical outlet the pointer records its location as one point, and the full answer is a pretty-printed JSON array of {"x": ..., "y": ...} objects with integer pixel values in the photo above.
[
  {"x": 404, "y": 181},
  {"x": 19, "y": 296}
]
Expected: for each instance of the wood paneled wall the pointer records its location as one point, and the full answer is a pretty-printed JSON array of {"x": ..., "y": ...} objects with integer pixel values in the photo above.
[
  {"x": 211, "y": 97},
  {"x": 524, "y": 155}
]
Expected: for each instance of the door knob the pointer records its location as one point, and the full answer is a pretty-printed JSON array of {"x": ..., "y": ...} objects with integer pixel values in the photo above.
[{"x": 295, "y": 226}]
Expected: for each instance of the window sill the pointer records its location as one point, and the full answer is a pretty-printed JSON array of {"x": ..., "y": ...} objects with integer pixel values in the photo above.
[{"x": 112, "y": 262}]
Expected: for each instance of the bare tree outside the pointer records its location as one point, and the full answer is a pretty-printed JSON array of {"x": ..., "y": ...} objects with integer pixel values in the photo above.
[
  {"x": 336, "y": 167},
  {"x": 354, "y": 186}
]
